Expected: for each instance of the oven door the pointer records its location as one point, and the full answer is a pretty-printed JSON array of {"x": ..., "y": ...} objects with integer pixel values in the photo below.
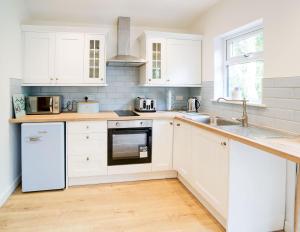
[{"x": 129, "y": 146}]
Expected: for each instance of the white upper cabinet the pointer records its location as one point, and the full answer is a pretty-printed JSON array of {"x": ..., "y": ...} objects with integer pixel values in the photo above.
[
  {"x": 183, "y": 62},
  {"x": 54, "y": 56},
  {"x": 172, "y": 59},
  {"x": 94, "y": 62},
  {"x": 69, "y": 58},
  {"x": 39, "y": 57},
  {"x": 156, "y": 65}
]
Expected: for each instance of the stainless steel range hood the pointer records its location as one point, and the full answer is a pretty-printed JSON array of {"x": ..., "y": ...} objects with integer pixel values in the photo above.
[{"x": 123, "y": 58}]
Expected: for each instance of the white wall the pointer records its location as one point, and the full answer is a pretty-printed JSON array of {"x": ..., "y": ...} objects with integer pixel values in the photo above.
[
  {"x": 281, "y": 31},
  {"x": 12, "y": 13}
]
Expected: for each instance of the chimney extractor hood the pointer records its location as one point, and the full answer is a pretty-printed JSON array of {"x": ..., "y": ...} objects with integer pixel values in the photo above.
[{"x": 123, "y": 58}]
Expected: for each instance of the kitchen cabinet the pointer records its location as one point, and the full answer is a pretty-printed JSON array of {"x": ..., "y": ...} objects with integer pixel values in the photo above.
[
  {"x": 183, "y": 62},
  {"x": 210, "y": 164},
  {"x": 162, "y": 145},
  {"x": 154, "y": 71},
  {"x": 87, "y": 149},
  {"x": 69, "y": 57},
  {"x": 62, "y": 58},
  {"x": 94, "y": 61},
  {"x": 173, "y": 59},
  {"x": 182, "y": 159},
  {"x": 257, "y": 190},
  {"x": 39, "y": 57}
]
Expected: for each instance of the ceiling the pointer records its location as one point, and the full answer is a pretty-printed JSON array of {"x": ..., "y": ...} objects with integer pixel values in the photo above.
[{"x": 149, "y": 13}]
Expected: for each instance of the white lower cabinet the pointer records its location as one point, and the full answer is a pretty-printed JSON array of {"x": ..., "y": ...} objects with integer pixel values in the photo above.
[
  {"x": 162, "y": 145},
  {"x": 210, "y": 159},
  {"x": 87, "y": 149},
  {"x": 182, "y": 160},
  {"x": 257, "y": 190}
]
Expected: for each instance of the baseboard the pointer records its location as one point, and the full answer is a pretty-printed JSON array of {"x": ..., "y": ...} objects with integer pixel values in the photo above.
[
  {"x": 4, "y": 197},
  {"x": 211, "y": 209},
  {"x": 122, "y": 178}
]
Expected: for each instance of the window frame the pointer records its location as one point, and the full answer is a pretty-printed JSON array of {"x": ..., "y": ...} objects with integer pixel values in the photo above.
[{"x": 250, "y": 57}]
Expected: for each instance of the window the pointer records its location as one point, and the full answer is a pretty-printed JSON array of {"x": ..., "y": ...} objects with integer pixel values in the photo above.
[{"x": 244, "y": 65}]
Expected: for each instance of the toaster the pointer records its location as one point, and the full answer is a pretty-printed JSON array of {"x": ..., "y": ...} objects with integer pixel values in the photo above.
[{"x": 145, "y": 105}]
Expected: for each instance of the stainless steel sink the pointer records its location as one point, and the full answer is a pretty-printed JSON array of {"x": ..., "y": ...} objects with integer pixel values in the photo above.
[
  {"x": 222, "y": 122},
  {"x": 210, "y": 120}
]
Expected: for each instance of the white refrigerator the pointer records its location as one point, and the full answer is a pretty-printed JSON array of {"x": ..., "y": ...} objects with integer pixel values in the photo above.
[{"x": 43, "y": 156}]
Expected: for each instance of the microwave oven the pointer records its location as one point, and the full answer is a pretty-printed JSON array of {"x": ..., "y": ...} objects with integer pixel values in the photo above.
[{"x": 43, "y": 104}]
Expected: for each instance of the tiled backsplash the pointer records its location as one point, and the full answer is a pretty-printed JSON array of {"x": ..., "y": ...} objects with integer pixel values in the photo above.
[
  {"x": 280, "y": 95},
  {"x": 123, "y": 87}
]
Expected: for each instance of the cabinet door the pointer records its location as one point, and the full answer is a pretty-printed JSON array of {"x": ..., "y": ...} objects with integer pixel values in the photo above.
[
  {"x": 156, "y": 66},
  {"x": 39, "y": 57},
  {"x": 162, "y": 145},
  {"x": 210, "y": 168},
  {"x": 182, "y": 149},
  {"x": 94, "y": 61},
  {"x": 183, "y": 62},
  {"x": 69, "y": 58}
]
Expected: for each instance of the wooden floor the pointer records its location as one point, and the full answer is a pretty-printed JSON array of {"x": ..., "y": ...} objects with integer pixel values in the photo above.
[{"x": 150, "y": 206}]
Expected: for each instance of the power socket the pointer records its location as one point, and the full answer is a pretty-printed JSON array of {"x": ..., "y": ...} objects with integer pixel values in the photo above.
[{"x": 179, "y": 98}]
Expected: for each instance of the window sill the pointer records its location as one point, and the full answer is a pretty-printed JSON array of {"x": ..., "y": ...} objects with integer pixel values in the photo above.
[{"x": 239, "y": 103}]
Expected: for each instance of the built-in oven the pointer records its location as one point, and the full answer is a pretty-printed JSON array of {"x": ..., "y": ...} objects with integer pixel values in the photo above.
[{"x": 129, "y": 142}]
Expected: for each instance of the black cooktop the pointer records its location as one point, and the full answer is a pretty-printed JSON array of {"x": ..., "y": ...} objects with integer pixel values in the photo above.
[{"x": 125, "y": 113}]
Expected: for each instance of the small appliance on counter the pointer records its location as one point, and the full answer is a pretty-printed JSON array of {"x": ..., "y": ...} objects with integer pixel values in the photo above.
[
  {"x": 43, "y": 104},
  {"x": 193, "y": 104},
  {"x": 87, "y": 106},
  {"x": 145, "y": 105}
]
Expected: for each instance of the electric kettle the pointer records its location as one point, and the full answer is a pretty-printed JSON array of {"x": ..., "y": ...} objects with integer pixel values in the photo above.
[{"x": 193, "y": 104}]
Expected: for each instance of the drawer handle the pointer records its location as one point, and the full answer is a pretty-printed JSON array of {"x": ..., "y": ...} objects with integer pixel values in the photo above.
[
  {"x": 87, "y": 158},
  {"x": 178, "y": 124},
  {"x": 87, "y": 127},
  {"x": 171, "y": 123},
  {"x": 87, "y": 137}
]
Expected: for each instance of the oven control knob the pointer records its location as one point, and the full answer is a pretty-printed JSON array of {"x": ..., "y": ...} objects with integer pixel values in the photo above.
[
  {"x": 141, "y": 123},
  {"x": 117, "y": 124}
]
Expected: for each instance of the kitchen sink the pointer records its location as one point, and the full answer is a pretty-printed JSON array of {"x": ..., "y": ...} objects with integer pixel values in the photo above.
[
  {"x": 214, "y": 121},
  {"x": 222, "y": 122}
]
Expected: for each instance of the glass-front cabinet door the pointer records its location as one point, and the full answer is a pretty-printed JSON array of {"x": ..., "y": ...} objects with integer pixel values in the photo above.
[
  {"x": 156, "y": 57},
  {"x": 95, "y": 59}
]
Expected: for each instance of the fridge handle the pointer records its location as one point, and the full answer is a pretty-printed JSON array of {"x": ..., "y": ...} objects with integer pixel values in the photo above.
[{"x": 34, "y": 139}]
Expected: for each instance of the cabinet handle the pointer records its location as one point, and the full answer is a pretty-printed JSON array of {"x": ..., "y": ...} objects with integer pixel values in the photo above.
[
  {"x": 171, "y": 123},
  {"x": 149, "y": 79},
  {"x": 101, "y": 79},
  {"x": 178, "y": 124},
  {"x": 56, "y": 79},
  {"x": 87, "y": 137},
  {"x": 87, "y": 127},
  {"x": 87, "y": 158},
  {"x": 51, "y": 79},
  {"x": 223, "y": 143},
  {"x": 168, "y": 80}
]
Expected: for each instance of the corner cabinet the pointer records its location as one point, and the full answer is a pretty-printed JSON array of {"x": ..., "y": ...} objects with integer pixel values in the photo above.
[
  {"x": 172, "y": 59},
  {"x": 59, "y": 58}
]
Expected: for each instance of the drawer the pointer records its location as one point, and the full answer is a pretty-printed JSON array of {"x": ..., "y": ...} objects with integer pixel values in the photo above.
[
  {"x": 87, "y": 127},
  {"x": 87, "y": 143},
  {"x": 87, "y": 165}
]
